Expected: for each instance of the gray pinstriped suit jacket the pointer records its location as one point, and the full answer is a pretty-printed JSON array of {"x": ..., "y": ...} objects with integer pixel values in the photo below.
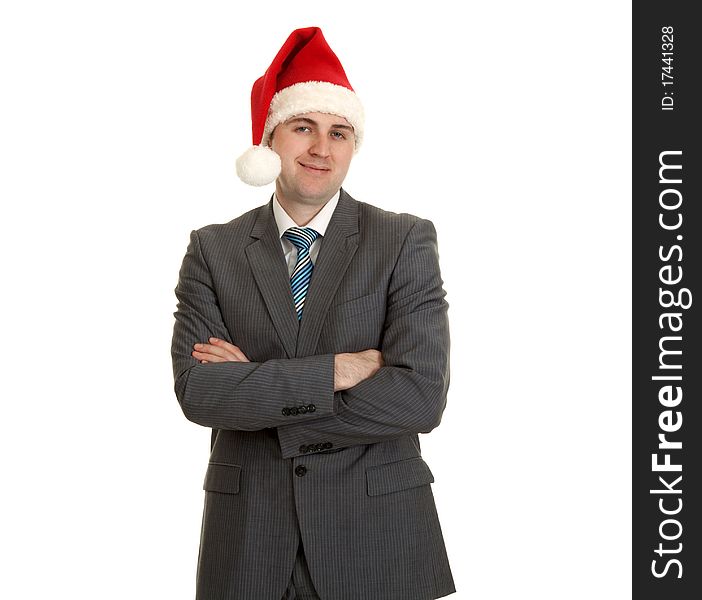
[{"x": 342, "y": 471}]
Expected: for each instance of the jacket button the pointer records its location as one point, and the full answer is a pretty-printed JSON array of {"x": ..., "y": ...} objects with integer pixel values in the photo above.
[
  {"x": 293, "y": 410},
  {"x": 311, "y": 408},
  {"x": 304, "y": 449},
  {"x": 286, "y": 411},
  {"x": 302, "y": 409},
  {"x": 319, "y": 447},
  {"x": 328, "y": 445},
  {"x": 300, "y": 471}
]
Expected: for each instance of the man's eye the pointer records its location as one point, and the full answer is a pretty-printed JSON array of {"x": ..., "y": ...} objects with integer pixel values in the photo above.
[
  {"x": 301, "y": 127},
  {"x": 338, "y": 135}
]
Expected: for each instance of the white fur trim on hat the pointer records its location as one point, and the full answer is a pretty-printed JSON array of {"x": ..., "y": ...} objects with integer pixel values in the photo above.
[
  {"x": 258, "y": 166},
  {"x": 315, "y": 96}
]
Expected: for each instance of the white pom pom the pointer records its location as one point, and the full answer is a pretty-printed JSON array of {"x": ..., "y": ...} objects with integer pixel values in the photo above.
[{"x": 259, "y": 165}]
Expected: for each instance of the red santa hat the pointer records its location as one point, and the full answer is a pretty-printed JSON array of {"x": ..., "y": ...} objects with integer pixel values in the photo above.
[{"x": 305, "y": 76}]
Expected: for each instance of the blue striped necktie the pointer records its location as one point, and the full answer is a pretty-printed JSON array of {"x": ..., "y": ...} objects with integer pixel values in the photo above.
[{"x": 301, "y": 238}]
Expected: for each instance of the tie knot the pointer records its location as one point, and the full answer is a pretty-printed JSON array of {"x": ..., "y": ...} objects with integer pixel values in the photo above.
[{"x": 301, "y": 237}]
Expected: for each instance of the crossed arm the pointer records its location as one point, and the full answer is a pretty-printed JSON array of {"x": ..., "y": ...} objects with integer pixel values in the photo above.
[
  {"x": 350, "y": 368},
  {"x": 361, "y": 398}
]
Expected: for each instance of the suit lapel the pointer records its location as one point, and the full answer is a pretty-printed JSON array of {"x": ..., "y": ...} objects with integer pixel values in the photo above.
[
  {"x": 267, "y": 263},
  {"x": 339, "y": 244}
]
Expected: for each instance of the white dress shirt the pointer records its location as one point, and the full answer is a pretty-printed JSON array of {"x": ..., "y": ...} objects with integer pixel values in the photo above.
[{"x": 319, "y": 224}]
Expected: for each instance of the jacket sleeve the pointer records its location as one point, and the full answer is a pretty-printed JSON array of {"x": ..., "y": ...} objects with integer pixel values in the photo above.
[
  {"x": 238, "y": 395},
  {"x": 408, "y": 394}
]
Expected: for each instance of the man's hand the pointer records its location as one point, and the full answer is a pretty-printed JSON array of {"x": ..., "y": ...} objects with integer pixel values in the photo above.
[
  {"x": 218, "y": 351},
  {"x": 351, "y": 368}
]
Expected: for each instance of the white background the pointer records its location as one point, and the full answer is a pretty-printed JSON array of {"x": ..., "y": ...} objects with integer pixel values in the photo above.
[{"x": 506, "y": 123}]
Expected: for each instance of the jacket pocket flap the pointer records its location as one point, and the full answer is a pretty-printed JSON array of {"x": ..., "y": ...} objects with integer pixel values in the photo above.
[
  {"x": 356, "y": 306},
  {"x": 396, "y": 476},
  {"x": 222, "y": 477}
]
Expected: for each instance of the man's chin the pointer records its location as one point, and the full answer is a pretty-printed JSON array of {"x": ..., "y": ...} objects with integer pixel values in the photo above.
[{"x": 317, "y": 196}]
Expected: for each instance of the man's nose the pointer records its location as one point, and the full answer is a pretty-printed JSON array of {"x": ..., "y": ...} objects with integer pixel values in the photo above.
[{"x": 320, "y": 147}]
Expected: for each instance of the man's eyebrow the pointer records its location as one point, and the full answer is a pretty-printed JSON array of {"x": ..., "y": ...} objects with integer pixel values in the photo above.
[
  {"x": 313, "y": 122},
  {"x": 302, "y": 120}
]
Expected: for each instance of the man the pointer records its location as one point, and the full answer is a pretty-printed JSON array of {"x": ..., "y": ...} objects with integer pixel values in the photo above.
[{"x": 311, "y": 335}]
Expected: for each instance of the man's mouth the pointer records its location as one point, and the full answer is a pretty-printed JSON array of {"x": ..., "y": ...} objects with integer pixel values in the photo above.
[{"x": 316, "y": 168}]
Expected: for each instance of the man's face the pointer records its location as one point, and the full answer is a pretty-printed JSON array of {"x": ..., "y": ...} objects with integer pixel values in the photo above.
[{"x": 315, "y": 151}]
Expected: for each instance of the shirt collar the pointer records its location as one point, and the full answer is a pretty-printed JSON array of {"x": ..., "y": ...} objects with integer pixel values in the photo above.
[{"x": 319, "y": 223}]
